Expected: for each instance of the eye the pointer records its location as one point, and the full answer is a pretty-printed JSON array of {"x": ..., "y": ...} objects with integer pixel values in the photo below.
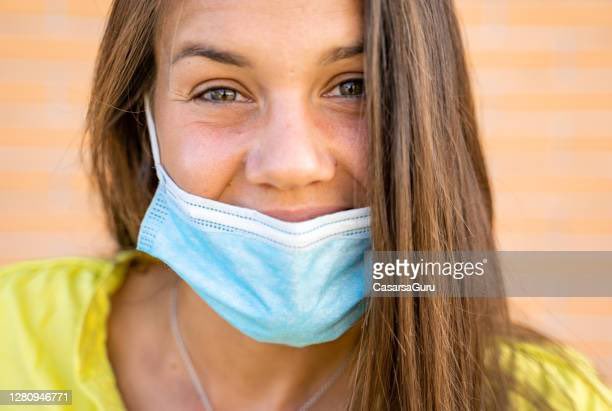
[
  {"x": 220, "y": 95},
  {"x": 352, "y": 88}
]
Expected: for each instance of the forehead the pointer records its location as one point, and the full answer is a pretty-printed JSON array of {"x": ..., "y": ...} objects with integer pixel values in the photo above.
[{"x": 290, "y": 29}]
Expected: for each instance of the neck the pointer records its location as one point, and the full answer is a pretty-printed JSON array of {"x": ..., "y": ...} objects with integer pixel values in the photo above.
[{"x": 273, "y": 375}]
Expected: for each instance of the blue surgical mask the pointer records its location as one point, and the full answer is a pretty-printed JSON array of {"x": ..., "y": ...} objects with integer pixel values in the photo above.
[{"x": 291, "y": 283}]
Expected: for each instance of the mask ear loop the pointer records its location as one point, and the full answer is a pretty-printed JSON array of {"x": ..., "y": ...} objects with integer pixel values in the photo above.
[{"x": 153, "y": 139}]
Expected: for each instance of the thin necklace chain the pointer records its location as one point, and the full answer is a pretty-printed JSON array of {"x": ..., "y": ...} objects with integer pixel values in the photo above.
[{"x": 195, "y": 380}]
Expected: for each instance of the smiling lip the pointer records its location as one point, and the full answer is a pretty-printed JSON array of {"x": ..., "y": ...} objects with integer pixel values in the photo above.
[{"x": 302, "y": 214}]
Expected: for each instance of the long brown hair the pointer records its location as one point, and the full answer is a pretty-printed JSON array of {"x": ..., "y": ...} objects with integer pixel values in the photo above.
[{"x": 429, "y": 191}]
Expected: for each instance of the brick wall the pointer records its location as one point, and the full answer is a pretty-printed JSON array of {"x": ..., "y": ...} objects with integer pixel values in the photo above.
[{"x": 542, "y": 74}]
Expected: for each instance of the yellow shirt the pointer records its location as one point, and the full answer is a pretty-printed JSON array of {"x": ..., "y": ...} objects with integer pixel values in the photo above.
[{"x": 53, "y": 315}]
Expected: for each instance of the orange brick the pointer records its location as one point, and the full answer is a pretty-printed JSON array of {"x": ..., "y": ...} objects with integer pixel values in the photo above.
[
  {"x": 21, "y": 47},
  {"x": 20, "y": 6}
]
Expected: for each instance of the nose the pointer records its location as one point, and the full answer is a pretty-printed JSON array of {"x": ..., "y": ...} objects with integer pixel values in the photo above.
[{"x": 290, "y": 151}]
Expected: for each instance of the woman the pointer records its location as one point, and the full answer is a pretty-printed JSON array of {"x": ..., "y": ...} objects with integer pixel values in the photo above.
[{"x": 244, "y": 170}]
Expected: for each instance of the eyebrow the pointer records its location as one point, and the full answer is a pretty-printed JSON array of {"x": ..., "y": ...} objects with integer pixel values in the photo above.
[
  {"x": 341, "y": 53},
  {"x": 212, "y": 53},
  {"x": 238, "y": 60}
]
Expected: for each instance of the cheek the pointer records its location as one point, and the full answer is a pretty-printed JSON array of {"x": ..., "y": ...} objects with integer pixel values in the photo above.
[
  {"x": 347, "y": 137},
  {"x": 204, "y": 160}
]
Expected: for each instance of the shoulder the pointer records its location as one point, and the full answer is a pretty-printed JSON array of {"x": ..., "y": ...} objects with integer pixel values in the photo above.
[
  {"x": 60, "y": 280},
  {"x": 31, "y": 288},
  {"x": 562, "y": 375},
  {"x": 43, "y": 307},
  {"x": 25, "y": 273}
]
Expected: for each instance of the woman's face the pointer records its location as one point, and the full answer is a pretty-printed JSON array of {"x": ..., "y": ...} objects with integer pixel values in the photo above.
[{"x": 257, "y": 104}]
